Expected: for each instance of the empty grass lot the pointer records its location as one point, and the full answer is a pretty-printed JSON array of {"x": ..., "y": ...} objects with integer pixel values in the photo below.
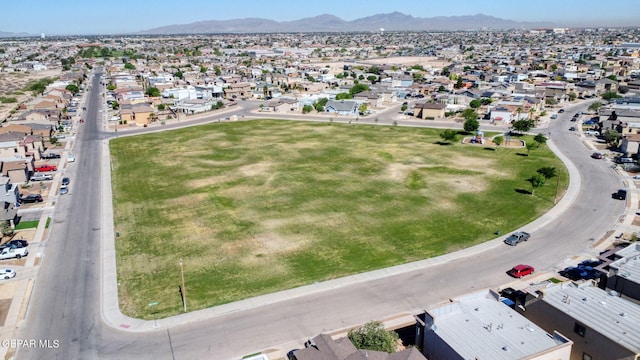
[{"x": 260, "y": 206}]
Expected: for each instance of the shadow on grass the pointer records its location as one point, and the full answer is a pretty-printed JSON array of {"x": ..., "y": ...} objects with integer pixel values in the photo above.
[
  {"x": 443, "y": 143},
  {"x": 490, "y": 149},
  {"x": 523, "y": 191},
  {"x": 522, "y": 154}
]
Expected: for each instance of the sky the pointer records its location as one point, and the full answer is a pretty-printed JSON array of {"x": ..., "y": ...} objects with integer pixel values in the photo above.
[{"x": 84, "y": 17}]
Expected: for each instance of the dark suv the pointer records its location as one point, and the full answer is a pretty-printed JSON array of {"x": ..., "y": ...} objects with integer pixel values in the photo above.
[{"x": 31, "y": 198}]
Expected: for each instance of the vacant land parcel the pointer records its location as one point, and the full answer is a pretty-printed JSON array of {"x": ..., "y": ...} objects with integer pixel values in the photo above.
[{"x": 259, "y": 206}]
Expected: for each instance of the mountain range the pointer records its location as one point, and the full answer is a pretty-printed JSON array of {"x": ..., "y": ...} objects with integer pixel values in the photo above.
[{"x": 395, "y": 21}]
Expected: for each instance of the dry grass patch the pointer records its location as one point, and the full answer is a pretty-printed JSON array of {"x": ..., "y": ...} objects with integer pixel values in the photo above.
[{"x": 269, "y": 205}]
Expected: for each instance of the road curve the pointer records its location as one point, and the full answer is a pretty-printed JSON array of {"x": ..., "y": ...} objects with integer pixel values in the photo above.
[{"x": 70, "y": 304}]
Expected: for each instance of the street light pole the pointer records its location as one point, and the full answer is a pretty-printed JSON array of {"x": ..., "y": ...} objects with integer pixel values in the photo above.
[{"x": 184, "y": 291}]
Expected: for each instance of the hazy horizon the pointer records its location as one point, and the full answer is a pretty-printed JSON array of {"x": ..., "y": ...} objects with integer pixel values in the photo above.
[{"x": 65, "y": 17}]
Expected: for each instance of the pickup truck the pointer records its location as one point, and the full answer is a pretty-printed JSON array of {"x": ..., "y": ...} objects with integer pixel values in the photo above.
[
  {"x": 517, "y": 237},
  {"x": 41, "y": 177},
  {"x": 45, "y": 168},
  {"x": 10, "y": 253}
]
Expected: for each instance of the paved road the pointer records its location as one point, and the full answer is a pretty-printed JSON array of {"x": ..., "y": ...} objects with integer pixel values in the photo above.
[{"x": 66, "y": 301}]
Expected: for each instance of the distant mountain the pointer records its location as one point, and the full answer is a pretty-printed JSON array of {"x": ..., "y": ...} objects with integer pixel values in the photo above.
[
  {"x": 11, "y": 35},
  {"x": 394, "y": 21}
]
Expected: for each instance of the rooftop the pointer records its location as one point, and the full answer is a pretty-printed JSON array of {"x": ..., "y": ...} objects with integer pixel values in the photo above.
[
  {"x": 609, "y": 315},
  {"x": 478, "y": 326}
]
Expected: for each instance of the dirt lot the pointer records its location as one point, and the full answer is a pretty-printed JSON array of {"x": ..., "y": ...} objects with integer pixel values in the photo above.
[
  {"x": 426, "y": 62},
  {"x": 13, "y": 84}
]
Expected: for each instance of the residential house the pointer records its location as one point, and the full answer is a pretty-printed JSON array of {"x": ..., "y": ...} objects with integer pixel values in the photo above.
[
  {"x": 17, "y": 169},
  {"x": 480, "y": 326},
  {"x": 9, "y": 195},
  {"x": 601, "y": 324},
  {"x": 429, "y": 111},
  {"x": 371, "y": 98},
  {"x": 324, "y": 347},
  {"x": 283, "y": 105},
  {"x": 342, "y": 107},
  {"x": 624, "y": 272},
  {"x": 141, "y": 114},
  {"x": 192, "y": 106},
  {"x": 238, "y": 90}
]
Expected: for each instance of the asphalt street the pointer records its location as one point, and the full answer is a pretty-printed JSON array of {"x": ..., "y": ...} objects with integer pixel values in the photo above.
[{"x": 67, "y": 305}]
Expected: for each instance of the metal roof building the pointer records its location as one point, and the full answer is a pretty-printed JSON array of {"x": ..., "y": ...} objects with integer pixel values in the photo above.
[
  {"x": 480, "y": 326},
  {"x": 601, "y": 324}
]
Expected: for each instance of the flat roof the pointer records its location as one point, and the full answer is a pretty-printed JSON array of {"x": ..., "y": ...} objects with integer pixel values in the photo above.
[
  {"x": 609, "y": 315},
  {"x": 479, "y": 326},
  {"x": 628, "y": 266}
]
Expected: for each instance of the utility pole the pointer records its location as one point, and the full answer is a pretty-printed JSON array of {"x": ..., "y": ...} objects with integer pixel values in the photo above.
[
  {"x": 184, "y": 291},
  {"x": 555, "y": 197}
]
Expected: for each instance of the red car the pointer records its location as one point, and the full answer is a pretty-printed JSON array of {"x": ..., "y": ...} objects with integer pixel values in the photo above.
[
  {"x": 45, "y": 168},
  {"x": 521, "y": 270}
]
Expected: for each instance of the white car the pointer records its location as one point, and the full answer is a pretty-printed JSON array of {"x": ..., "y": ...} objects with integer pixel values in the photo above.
[
  {"x": 71, "y": 158},
  {"x": 7, "y": 274},
  {"x": 10, "y": 253},
  {"x": 63, "y": 189}
]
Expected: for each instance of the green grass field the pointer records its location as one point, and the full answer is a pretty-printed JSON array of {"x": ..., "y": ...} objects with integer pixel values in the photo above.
[{"x": 260, "y": 206}]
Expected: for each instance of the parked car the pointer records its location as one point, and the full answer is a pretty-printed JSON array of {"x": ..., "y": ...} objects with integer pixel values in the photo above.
[
  {"x": 554, "y": 116},
  {"x": 31, "y": 198},
  {"x": 572, "y": 128},
  {"x": 10, "y": 253},
  {"x": 521, "y": 270},
  {"x": 51, "y": 156},
  {"x": 624, "y": 160},
  {"x": 7, "y": 274},
  {"x": 71, "y": 158},
  {"x": 63, "y": 190},
  {"x": 597, "y": 155},
  {"x": 45, "y": 168},
  {"x": 41, "y": 177},
  {"x": 65, "y": 181},
  {"x": 561, "y": 110},
  {"x": 620, "y": 194},
  {"x": 517, "y": 237},
  {"x": 592, "y": 132},
  {"x": 18, "y": 243}
]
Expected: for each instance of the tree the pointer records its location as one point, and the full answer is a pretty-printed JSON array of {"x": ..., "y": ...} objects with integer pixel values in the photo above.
[
  {"x": 307, "y": 109},
  {"x": 471, "y": 125},
  {"x": 536, "y": 181},
  {"x": 551, "y": 101},
  {"x": 129, "y": 66},
  {"x": 362, "y": 109},
  {"x": 595, "y": 106},
  {"x": 498, "y": 140},
  {"x": 612, "y": 77},
  {"x": 153, "y": 92},
  {"x": 470, "y": 114},
  {"x": 540, "y": 139},
  {"x": 612, "y": 137},
  {"x": 161, "y": 107},
  {"x": 403, "y": 107},
  {"x": 373, "y": 336},
  {"x": 344, "y": 96},
  {"x": 475, "y": 103},
  {"x": 111, "y": 87},
  {"x": 449, "y": 135},
  {"x": 548, "y": 172},
  {"x": 178, "y": 74},
  {"x": 531, "y": 146},
  {"x": 573, "y": 96},
  {"x": 203, "y": 69},
  {"x": 320, "y": 103},
  {"x": 522, "y": 126},
  {"x": 217, "y": 70},
  {"x": 358, "y": 88},
  {"x": 372, "y": 78},
  {"x": 73, "y": 88},
  {"x": 611, "y": 95},
  {"x": 115, "y": 105}
]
